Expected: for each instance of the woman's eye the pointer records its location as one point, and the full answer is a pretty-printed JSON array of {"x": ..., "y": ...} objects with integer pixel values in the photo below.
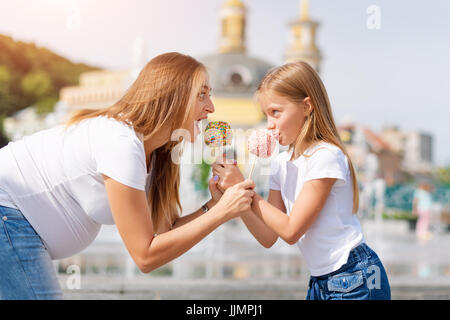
[{"x": 203, "y": 95}]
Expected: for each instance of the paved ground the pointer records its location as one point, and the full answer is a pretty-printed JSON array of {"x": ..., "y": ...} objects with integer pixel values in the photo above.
[
  {"x": 169, "y": 289},
  {"x": 416, "y": 269}
]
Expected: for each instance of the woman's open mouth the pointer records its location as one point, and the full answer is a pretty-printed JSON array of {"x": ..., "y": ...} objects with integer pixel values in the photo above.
[{"x": 197, "y": 130}]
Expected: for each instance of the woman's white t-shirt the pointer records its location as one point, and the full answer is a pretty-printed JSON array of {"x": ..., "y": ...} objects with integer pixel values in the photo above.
[
  {"x": 327, "y": 243},
  {"x": 54, "y": 177}
]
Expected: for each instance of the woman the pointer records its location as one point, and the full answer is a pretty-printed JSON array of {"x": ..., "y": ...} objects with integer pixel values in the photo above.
[{"x": 58, "y": 186}]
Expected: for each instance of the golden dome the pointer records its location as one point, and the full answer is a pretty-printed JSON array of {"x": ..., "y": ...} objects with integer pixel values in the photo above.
[
  {"x": 234, "y": 3},
  {"x": 304, "y": 10}
]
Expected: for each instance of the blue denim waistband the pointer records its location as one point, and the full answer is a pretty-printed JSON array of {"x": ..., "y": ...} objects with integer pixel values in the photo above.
[
  {"x": 356, "y": 255},
  {"x": 11, "y": 212}
]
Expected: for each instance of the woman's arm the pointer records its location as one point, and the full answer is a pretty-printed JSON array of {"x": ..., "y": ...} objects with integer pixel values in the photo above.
[
  {"x": 132, "y": 216},
  {"x": 185, "y": 219},
  {"x": 216, "y": 194},
  {"x": 305, "y": 211}
]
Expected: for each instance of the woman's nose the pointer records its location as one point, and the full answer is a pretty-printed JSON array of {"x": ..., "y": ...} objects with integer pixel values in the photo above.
[{"x": 210, "y": 107}]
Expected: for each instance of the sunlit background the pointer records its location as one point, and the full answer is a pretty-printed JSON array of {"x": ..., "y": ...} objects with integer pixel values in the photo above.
[{"x": 384, "y": 63}]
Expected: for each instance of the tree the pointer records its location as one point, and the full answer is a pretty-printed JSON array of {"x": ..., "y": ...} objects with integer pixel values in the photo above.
[
  {"x": 5, "y": 105},
  {"x": 37, "y": 85},
  {"x": 39, "y": 88},
  {"x": 200, "y": 177},
  {"x": 46, "y": 105},
  {"x": 5, "y": 79},
  {"x": 32, "y": 75},
  {"x": 3, "y": 139},
  {"x": 442, "y": 175}
]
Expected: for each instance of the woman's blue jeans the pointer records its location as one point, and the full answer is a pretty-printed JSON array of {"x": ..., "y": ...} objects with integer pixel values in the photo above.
[
  {"x": 26, "y": 269},
  {"x": 363, "y": 277}
]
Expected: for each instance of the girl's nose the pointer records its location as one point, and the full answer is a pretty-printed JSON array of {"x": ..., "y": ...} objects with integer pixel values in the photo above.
[{"x": 270, "y": 125}]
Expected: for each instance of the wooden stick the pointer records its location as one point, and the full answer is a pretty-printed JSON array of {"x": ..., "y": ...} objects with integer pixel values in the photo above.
[{"x": 251, "y": 170}]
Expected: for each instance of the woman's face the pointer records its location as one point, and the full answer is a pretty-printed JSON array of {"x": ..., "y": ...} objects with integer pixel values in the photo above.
[
  {"x": 285, "y": 116},
  {"x": 203, "y": 106}
]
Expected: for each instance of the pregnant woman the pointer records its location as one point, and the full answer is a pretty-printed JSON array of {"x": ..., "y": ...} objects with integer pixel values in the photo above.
[{"x": 108, "y": 166}]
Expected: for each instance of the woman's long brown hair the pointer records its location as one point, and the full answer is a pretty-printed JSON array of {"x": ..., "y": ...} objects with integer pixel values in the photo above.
[{"x": 163, "y": 95}]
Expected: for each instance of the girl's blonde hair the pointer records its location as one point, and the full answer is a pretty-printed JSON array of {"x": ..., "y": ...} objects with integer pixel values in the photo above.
[
  {"x": 297, "y": 81},
  {"x": 164, "y": 94}
]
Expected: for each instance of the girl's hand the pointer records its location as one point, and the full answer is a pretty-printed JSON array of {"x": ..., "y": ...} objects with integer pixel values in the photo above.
[
  {"x": 228, "y": 173},
  {"x": 236, "y": 199}
]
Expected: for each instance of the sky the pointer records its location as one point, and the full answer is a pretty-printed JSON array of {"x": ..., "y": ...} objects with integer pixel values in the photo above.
[{"x": 394, "y": 75}]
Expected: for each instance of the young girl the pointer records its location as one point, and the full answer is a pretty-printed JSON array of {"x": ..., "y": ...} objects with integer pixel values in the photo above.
[{"x": 313, "y": 197}]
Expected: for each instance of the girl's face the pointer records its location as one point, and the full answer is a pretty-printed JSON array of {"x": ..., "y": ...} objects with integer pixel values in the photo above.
[
  {"x": 203, "y": 106},
  {"x": 285, "y": 116}
]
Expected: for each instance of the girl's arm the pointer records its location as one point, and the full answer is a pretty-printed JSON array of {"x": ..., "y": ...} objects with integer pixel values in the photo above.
[
  {"x": 229, "y": 175},
  {"x": 265, "y": 236},
  {"x": 305, "y": 211}
]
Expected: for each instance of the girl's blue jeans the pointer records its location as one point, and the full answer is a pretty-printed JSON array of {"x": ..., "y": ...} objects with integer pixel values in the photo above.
[
  {"x": 363, "y": 277},
  {"x": 26, "y": 269}
]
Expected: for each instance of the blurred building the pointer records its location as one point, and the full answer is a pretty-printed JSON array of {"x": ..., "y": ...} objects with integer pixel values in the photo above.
[
  {"x": 97, "y": 89},
  {"x": 303, "y": 39},
  {"x": 234, "y": 75},
  {"x": 399, "y": 156},
  {"x": 100, "y": 89},
  {"x": 416, "y": 147},
  {"x": 371, "y": 155}
]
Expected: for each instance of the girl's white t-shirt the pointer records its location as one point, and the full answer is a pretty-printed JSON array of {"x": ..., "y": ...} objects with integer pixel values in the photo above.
[
  {"x": 328, "y": 242},
  {"x": 54, "y": 177}
]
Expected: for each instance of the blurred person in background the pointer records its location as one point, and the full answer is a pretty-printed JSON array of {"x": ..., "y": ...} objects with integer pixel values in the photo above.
[{"x": 422, "y": 208}]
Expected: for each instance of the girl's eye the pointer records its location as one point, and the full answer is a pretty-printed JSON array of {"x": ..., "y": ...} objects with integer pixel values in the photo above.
[{"x": 275, "y": 112}]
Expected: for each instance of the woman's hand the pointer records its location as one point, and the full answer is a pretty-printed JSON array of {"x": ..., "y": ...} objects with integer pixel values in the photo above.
[
  {"x": 214, "y": 189},
  {"x": 228, "y": 173},
  {"x": 236, "y": 199},
  {"x": 216, "y": 193}
]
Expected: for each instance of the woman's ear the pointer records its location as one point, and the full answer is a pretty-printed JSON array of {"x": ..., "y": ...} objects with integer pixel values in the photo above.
[{"x": 308, "y": 108}]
